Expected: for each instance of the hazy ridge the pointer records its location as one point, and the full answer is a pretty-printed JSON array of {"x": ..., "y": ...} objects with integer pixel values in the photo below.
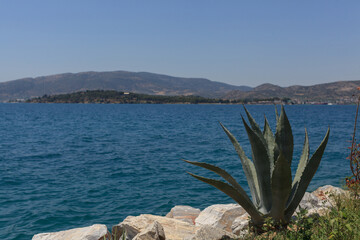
[
  {"x": 138, "y": 82},
  {"x": 341, "y": 91},
  {"x": 159, "y": 84}
]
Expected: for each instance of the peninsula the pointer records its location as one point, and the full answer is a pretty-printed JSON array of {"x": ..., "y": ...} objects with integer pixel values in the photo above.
[{"x": 110, "y": 96}]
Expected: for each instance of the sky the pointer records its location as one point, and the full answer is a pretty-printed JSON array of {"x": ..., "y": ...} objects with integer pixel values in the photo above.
[{"x": 237, "y": 42}]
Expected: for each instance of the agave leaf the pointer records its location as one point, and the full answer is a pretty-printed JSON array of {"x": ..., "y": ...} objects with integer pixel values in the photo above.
[
  {"x": 221, "y": 172},
  {"x": 280, "y": 187},
  {"x": 271, "y": 144},
  {"x": 262, "y": 166},
  {"x": 306, "y": 176},
  {"x": 283, "y": 136},
  {"x": 276, "y": 114},
  {"x": 255, "y": 127},
  {"x": 268, "y": 140},
  {"x": 248, "y": 166},
  {"x": 234, "y": 194},
  {"x": 301, "y": 167}
]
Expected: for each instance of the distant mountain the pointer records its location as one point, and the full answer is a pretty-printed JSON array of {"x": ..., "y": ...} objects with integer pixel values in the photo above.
[
  {"x": 137, "y": 82},
  {"x": 327, "y": 92},
  {"x": 158, "y": 84}
]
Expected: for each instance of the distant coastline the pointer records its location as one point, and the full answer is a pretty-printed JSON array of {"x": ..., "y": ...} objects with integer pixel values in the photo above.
[
  {"x": 116, "y": 97},
  {"x": 119, "y": 97},
  {"x": 339, "y": 93}
]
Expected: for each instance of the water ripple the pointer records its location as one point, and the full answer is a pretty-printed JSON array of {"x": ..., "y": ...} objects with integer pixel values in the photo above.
[{"x": 66, "y": 165}]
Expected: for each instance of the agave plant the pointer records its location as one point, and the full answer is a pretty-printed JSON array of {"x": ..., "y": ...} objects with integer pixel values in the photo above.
[{"x": 274, "y": 193}]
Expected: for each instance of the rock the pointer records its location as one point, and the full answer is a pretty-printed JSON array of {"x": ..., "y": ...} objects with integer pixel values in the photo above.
[
  {"x": 174, "y": 229},
  {"x": 240, "y": 225},
  {"x": 326, "y": 192},
  {"x": 184, "y": 213},
  {"x": 94, "y": 232},
  {"x": 310, "y": 201},
  {"x": 321, "y": 211},
  {"x": 313, "y": 205},
  {"x": 207, "y": 232},
  {"x": 154, "y": 232},
  {"x": 124, "y": 228},
  {"x": 219, "y": 216}
]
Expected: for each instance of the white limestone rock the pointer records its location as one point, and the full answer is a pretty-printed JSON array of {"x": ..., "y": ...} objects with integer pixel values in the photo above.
[
  {"x": 321, "y": 211},
  {"x": 310, "y": 201},
  {"x": 326, "y": 192},
  {"x": 154, "y": 232},
  {"x": 94, "y": 232},
  {"x": 210, "y": 233},
  {"x": 219, "y": 216},
  {"x": 241, "y": 224},
  {"x": 184, "y": 213},
  {"x": 174, "y": 229}
]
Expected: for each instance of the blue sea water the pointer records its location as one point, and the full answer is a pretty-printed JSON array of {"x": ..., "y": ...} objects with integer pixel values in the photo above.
[{"x": 64, "y": 166}]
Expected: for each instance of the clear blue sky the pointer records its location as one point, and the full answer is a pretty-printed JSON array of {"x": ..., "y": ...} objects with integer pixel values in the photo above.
[{"x": 237, "y": 42}]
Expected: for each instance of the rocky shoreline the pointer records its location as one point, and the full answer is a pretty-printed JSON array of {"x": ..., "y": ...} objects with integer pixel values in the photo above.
[{"x": 220, "y": 221}]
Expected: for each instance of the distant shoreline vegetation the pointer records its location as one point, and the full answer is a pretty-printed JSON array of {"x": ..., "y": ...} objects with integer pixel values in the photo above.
[{"x": 115, "y": 97}]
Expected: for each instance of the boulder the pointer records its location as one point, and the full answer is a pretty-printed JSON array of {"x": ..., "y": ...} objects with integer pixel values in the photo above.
[
  {"x": 310, "y": 201},
  {"x": 219, "y": 216},
  {"x": 174, "y": 229},
  {"x": 207, "y": 232},
  {"x": 94, "y": 232},
  {"x": 326, "y": 192},
  {"x": 130, "y": 230},
  {"x": 154, "y": 232},
  {"x": 321, "y": 211},
  {"x": 184, "y": 213},
  {"x": 240, "y": 225}
]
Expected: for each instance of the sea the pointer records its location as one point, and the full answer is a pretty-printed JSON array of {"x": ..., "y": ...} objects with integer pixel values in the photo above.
[{"x": 66, "y": 166}]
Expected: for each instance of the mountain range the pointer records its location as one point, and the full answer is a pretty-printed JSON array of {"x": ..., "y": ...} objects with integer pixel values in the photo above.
[
  {"x": 159, "y": 84},
  {"x": 138, "y": 82},
  {"x": 341, "y": 91}
]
